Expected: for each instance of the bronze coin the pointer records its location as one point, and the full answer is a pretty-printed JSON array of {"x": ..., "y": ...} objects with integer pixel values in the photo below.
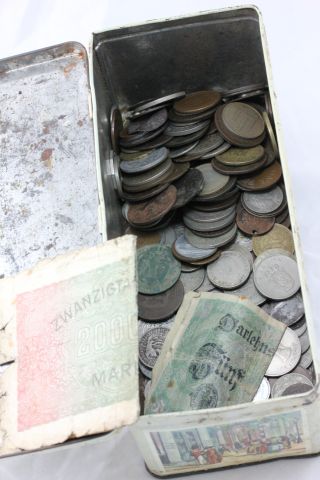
[
  {"x": 152, "y": 210},
  {"x": 155, "y": 308},
  {"x": 197, "y": 102},
  {"x": 264, "y": 180},
  {"x": 230, "y": 137},
  {"x": 240, "y": 170},
  {"x": 252, "y": 225},
  {"x": 242, "y": 120},
  {"x": 116, "y": 127},
  {"x": 144, "y": 238},
  {"x": 236, "y": 156}
]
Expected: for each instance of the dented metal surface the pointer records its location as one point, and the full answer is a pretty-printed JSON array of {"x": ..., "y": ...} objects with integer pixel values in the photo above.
[{"x": 49, "y": 188}]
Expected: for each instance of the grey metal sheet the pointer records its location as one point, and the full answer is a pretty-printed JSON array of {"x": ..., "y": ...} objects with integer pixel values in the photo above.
[{"x": 49, "y": 196}]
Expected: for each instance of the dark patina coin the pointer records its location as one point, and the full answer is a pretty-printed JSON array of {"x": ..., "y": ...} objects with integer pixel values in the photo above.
[
  {"x": 139, "y": 138},
  {"x": 242, "y": 120},
  {"x": 296, "y": 389},
  {"x": 154, "y": 209},
  {"x": 146, "y": 177},
  {"x": 116, "y": 126},
  {"x": 159, "y": 141},
  {"x": 188, "y": 186},
  {"x": 159, "y": 101},
  {"x": 179, "y": 152},
  {"x": 263, "y": 180},
  {"x": 288, "y": 311},
  {"x": 198, "y": 102},
  {"x": 149, "y": 123},
  {"x": 185, "y": 118},
  {"x": 176, "y": 172},
  {"x": 252, "y": 225},
  {"x": 155, "y": 308},
  {"x": 140, "y": 196}
]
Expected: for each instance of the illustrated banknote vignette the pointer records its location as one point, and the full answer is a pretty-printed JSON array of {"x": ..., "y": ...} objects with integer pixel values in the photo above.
[{"x": 74, "y": 346}]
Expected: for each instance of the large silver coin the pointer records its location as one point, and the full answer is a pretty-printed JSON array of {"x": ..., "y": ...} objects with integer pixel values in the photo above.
[
  {"x": 287, "y": 355},
  {"x": 206, "y": 285},
  {"x": 304, "y": 341},
  {"x": 230, "y": 270},
  {"x": 249, "y": 291},
  {"x": 150, "y": 345},
  {"x": 282, "y": 383},
  {"x": 263, "y": 202},
  {"x": 288, "y": 311},
  {"x": 210, "y": 226},
  {"x": 198, "y": 216},
  {"x": 276, "y": 274},
  {"x": 306, "y": 359},
  {"x": 300, "y": 327},
  {"x": 192, "y": 280},
  {"x": 263, "y": 392},
  {"x": 244, "y": 252},
  {"x": 186, "y": 249},
  {"x": 208, "y": 242},
  {"x": 213, "y": 181},
  {"x": 152, "y": 160}
]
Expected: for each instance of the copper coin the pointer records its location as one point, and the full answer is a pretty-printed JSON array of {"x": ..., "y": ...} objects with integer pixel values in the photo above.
[
  {"x": 144, "y": 238},
  {"x": 236, "y": 156},
  {"x": 198, "y": 102},
  {"x": 240, "y": 170},
  {"x": 116, "y": 126},
  {"x": 251, "y": 225},
  {"x": 155, "y": 308},
  {"x": 154, "y": 209},
  {"x": 264, "y": 180}
]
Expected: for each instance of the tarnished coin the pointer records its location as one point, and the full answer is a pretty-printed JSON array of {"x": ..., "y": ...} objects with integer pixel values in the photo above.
[
  {"x": 276, "y": 274},
  {"x": 131, "y": 115},
  {"x": 179, "y": 152},
  {"x": 249, "y": 291},
  {"x": 306, "y": 359},
  {"x": 154, "y": 209},
  {"x": 168, "y": 236},
  {"x": 235, "y": 92},
  {"x": 304, "y": 341},
  {"x": 149, "y": 123},
  {"x": 134, "y": 155},
  {"x": 155, "y": 308},
  {"x": 176, "y": 172},
  {"x": 252, "y": 225},
  {"x": 263, "y": 180},
  {"x": 288, "y": 311},
  {"x": 176, "y": 130},
  {"x": 206, "y": 285},
  {"x": 186, "y": 140},
  {"x": 263, "y": 202},
  {"x": 217, "y": 151},
  {"x": 197, "y": 102},
  {"x": 297, "y": 389},
  {"x": 187, "y": 250},
  {"x": 244, "y": 241},
  {"x": 158, "y": 270},
  {"x": 282, "y": 383},
  {"x": 208, "y": 143},
  {"x": 210, "y": 227},
  {"x": 300, "y": 327},
  {"x": 240, "y": 120},
  {"x": 271, "y": 133},
  {"x": 145, "y": 194},
  {"x": 210, "y": 242},
  {"x": 213, "y": 181},
  {"x": 152, "y": 159},
  {"x": 208, "y": 217},
  {"x": 190, "y": 118},
  {"x": 287, "y": 355},
  {"x": 241, "y": 156},
  {"x": 188, "y": 187},
  {"x": 228, "y": 191},
  {"x": 138, "y": 138},
  {"x": 192, "y": 280},
  {"x": 116, "y": 126},
  {"x": 150, "y": 345},
  {"x": 187, "y": 267},
  {"x": 145, "y": 238},
  {"x": 206, "y": 261},
  {"x": 147, "y": 372},
  {"x": 158, "y": 101},
  {"x": 230, "y": 271},
  {"x": 157, "y": 142},
  {"x": 278, "y": 237},
  {"x": 238, "y": 169},
  {"x": 263, "y": 392},
  {"x": 147, "y": 177}
]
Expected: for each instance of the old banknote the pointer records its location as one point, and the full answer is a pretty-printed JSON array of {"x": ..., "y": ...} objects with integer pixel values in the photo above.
[
  {"x": 69, "y": 327},
  {"x": 215, "y": 355}
]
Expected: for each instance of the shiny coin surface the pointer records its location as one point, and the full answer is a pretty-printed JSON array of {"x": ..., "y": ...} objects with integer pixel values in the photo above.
[
  {"x": 158, "y": 270},
  {"x": 155, "y": 308},
  {"x": 116, "y": 126},
  {"x": 198, "y": 102},
  {"x": 211, "y": 242},
  {"x": 249, "y": 291},
  {"x": 263, "y": 180},
  {"x": 276, "y": 274},
  {"x": 241, "y": 156},
  {"x": 278, "y": 237},
  {"x": 263, "y": 202},
  {"x": 287, "y": 355},
  {"x": 252, "y": 225},
  {"x": 230, "y": 271},
  {"x": 288, "y": 311},
  {"x": 188, "y": 187},
  {"x": 149, "y": 123},
  {"x": 150, "y": 160},
  {"x": 282, "y": 383},
  {"x": 192, "y": 280},
  {"x": 213, "y": 181},
  {"x": 150, "y": 345},
  {"x": 304, "y": 341},
  {"x": 154, "y": 209},
  {"x": 263, "y": 392},
  {"x": 187, "y": 250},
  {"x": 306, "y": 359}
]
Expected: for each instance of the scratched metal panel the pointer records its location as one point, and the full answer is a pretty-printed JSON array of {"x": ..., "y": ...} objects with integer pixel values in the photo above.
[{"x": 48, "y": 181}]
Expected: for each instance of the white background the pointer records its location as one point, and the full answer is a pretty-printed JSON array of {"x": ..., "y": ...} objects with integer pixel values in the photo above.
[{"x": 293, "y": 33}]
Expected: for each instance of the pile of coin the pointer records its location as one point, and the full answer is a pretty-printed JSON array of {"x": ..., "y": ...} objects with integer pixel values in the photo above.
[{"x": 200, "y": 179}]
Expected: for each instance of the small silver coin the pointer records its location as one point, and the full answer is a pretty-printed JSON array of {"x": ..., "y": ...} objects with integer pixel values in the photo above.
[
  {"x": 213, "y": 181},
  {"x": 208, "y": 242},
  {"x": 206, "y": 285},
  {"x": 304, "y": 341},
  {"x": 287, "y": 355},
  {"x": 187, "y": 250},
  {"x": 263, "y": 202},
  {"x": 306, "y": 359},
  {"x": 182, "y": 130},
  {"x": 288, "y": 311},
  {"x": 217, "y": 151},
  {"x": 147, "y": 372},
  {"x": 156, "y": 157},
  {"x": 230, "y": 270},
  {"x": 276, "y": 274},
  {"x": 159, "y": 101},
  {"x": 192, "y": 280},
  {"x": 210, "y": 226},
  {"x": 282, "y": 383},
  {"x": 263, "y": 392},
  {"x": 150, "y": 345},
  {"x": 300, "y": 327},
  {"x": 249, "y": 290},
  {"x": 179, "y": 152}
]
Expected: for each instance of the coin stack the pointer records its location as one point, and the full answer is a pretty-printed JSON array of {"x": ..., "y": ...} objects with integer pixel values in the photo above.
[{"x": 200, "y": 179}]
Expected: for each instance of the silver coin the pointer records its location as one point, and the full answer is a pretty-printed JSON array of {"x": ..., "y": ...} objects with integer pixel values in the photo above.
[
  {"x": 288, "y": 311},
  {"x": 286, "y": 381},
  {"x": 179, "y": 152},
  {"x": 304, "y": 341},
  {"x": 263, "y": 202},
  {"x": 160, "y": 101},
  {"x": 230, "y": 270},
  {"x": 208, "y": 143},
  {"x": 198, "y": 216},
  {"x": 147, "y": 177},
  {"x": 124, "y": 210},
  {"x": 168, "y": 236},
  {"x": 306, "y": 359},
  {"x": 235, "y": 92},
  {"x": 186, "y": 249},
  {"x": 147, "y": 388},
  {"x": 179, "y": 229},
  {"x": 183, "y": 129},
  {"x": 303, "y": 371},
  {"x": 144, "y": 326},
  {"x": 155, "y": 157},
  {"x": 287, "y": 355},
  {"x": 208, "y": 242},
  {"x": 300, "y": 327},
  {"x": 206, "y": 285},
  {"x": 217, "y": 151},
  {"x": 150, "y": 123},
  {"x": 263, "y": 392},
  {"x": 150, "y": 345},
  {"x": 243, "y": 240},
  {"x": 213, "y": 181},
  {"x": 244, "y": 252},
  {"x": 188, "y": 268},
  {"x": 192, "y": 280},
  {"x": 276, "y": 274},
  {"x": 147, "y": 372},
  {"x": 249, "y": 290},
  {"x": 210, "y": 226}
]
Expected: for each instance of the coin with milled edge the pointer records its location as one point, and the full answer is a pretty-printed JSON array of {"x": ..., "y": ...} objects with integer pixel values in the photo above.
[
  {"x": 263, "y": 392},
  {"x": 249, "y": 291},
  {"x": 197, "y": 102},
  {"x": 230, "y": 271},
  {"x": 287, "y": 355},
  {"x": 192, "y": 280},
  {"x": 158, "y": 270},
  {"x": 278, "y": 237},
  {"x": 188, "y": 187},
  {"x": 155, "y": 308},
  {"x": 154, "y": 158},
  {"x": 252, "y": 225},
  {"x": 288, "y": 311},
  {"x": 150, "y": 345},
  {"x": 282, "y": 383},
  {"x": 263, "y": 202}
]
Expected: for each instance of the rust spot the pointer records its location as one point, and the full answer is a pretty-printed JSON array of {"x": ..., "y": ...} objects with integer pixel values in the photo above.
[
  {"x": 170, "y": 384},
  {"x": 69, "y": 67},
  {"x": 46, "y": 157},
  {"x": 81, "y": 54},
  {"x": 80, "y": 123}
]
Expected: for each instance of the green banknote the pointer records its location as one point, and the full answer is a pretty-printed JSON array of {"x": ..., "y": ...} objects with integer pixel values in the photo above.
[{"x": 215, "y": 355}]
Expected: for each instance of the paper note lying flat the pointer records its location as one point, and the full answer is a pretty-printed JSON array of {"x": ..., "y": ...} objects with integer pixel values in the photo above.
[
  {"x": 215, "y": 355},
  {"x": 71, "y": 331}
]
